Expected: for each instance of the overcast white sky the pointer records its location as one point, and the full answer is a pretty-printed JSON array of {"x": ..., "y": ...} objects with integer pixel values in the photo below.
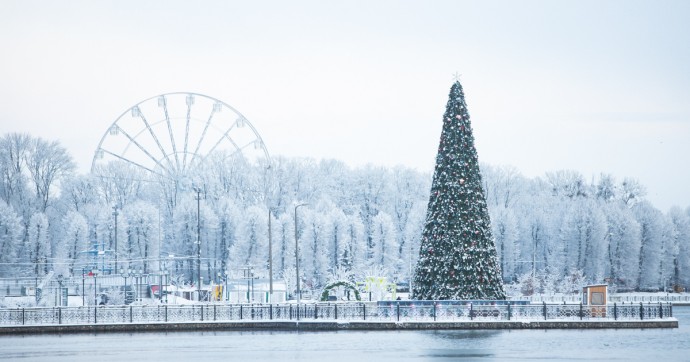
[{"x": 592, "y": 86}]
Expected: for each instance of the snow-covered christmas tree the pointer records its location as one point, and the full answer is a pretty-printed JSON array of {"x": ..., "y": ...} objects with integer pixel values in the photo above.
[{"x": 457, "y": 256}]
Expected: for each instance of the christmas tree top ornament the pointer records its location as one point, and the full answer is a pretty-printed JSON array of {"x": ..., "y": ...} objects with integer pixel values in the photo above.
[{"x": 457, "y": 256}]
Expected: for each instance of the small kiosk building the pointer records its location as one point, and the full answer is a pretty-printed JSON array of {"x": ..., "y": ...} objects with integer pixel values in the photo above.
[{"x": 595, "y": 297}]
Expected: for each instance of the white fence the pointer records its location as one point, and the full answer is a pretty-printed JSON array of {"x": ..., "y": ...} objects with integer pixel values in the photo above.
[{"x": 612, "y": 298}]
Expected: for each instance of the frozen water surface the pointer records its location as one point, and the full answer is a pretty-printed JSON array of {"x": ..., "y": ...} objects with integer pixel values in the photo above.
[{"x": 484, "y": 345}]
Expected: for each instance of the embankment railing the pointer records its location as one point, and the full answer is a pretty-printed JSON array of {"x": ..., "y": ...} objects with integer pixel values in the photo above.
[{"x": 395, "y": 312}]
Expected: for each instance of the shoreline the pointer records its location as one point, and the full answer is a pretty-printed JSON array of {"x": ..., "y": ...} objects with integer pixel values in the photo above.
[{"x": 288, "y": 325}]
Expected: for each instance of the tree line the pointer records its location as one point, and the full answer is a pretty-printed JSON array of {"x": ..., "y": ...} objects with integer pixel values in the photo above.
[{"x": 355, "y": 222}]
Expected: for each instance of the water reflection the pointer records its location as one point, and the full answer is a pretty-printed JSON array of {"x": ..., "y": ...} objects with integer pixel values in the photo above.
[
  {"x": 369, "y": 346},
  {"x": 456, "y": 353},
  {"x": 466, "y": 334}
]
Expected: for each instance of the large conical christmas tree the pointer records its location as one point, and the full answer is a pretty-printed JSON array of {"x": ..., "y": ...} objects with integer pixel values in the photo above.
[{"x": 457, "y": 256}]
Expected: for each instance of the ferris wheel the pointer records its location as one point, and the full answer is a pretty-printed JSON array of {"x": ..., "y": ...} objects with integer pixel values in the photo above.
[{"x": 173, "y": 134}]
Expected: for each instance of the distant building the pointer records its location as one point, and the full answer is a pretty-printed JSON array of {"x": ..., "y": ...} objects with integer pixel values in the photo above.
[{"x": 253, "y": 291}]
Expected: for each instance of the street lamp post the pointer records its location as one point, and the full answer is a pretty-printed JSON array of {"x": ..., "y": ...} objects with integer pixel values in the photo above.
[
  {"x": 227, "y": 292},
  {"x": 83, "y": 286},
  {"x": 143, "y": 281},
  {"x": 59, "y": 280},
  {"x": 162, "y": 281},
  {"x": 248, "y": 273},
  {"x": 270, "y": 260},
  {"x": 125, "y": 291},
  {"x": 220, "y": 285},
  {"x": 160, "y": 284},
  {"x": 125, "y": 274},
  {"x": 115, "y": 213},
  {"x": 299, "y": 292},
  {"x": 166, "y": 273},
  {"x": 198, "y": 240},
  {"x": 409, "y": 292},
  {"x": 136, "y": 284},
  {"x": 95, "y": 288}
]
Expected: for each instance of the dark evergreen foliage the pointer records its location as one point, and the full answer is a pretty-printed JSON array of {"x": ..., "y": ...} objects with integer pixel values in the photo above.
[{"x": 457, "y": 253}]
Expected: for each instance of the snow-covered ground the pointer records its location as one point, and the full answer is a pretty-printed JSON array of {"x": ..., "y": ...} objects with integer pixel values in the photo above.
[{"x": 676, "y": 298}]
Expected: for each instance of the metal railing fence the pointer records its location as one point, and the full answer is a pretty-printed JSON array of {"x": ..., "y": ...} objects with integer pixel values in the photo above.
[{"x": 329, "y": 312}]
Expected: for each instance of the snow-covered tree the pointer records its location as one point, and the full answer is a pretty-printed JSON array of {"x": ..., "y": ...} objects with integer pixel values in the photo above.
[
  {"x": 48, "y": 163},
  {"x": 38, "y": 245},
  {"x": 119, "y": 183},
  {"x": 409, "y": 253},
  {"x": 72, "y": 247},
  {"x": 651, "y": 247},
  {"x": 606, "y": 188},
  {"x": 681, "y": 221},
  {"x": 370, "y": 192},
  {"x": 334, "y": 234},
  {"x": 623, "y": 252},
  {"x": 182, "y": 242},
  {"x": 584, "y": 235},
  {"x": 573, "y": 281},
  {"x": 505, "y": 230},
  {"x": 284, "y": 243},
  {"x": 502, "y": 185},
  {"x": 228, "y": 219},
  {"x": 11, "y": 231},
  {"x": 567, "y": 183},
  {"x": 547, "y": 225},
  {"x": 140, "y": 247},
  {"x": 251, "y": 245},
  {"x": 669, "y": 252},
  {"x": 385, "y": 253},
  {"x": 356, "y": 253},
  {"x": 407, "y": 216},
  {"x": 538, "y": 242},
  {"x": 313, "y": 248},
  {"x": 632, "y": 191},
  {"x": 211, "y": 254},
  {"x": 80, "y": 191},
  {"x": 14, "y": 151}
]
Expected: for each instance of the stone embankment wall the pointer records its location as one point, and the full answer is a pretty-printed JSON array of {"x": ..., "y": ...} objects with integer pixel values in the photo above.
[{"x": 331, "y": 326}]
